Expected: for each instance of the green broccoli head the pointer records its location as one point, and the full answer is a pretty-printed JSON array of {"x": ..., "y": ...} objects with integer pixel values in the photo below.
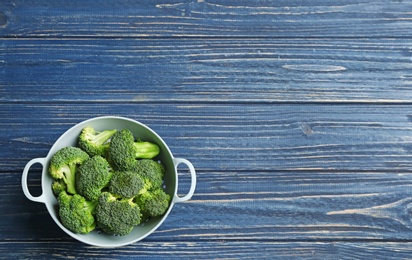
[
  {"x": 117, "y": 216},
  {"x": 58, "y": 186},
  {"x": 94, "y": 142},
  {"x": 126, "y": 184},
  {"x": 124, "y": 151},
  {"x": 121, "y": 149},
  {"x": 92, "y": 176},
  {"x": 151, "y": 171},
  {"x": 153, "y": 203},
  {"x": 76, "y": 213},
  {"x": 64, "y": 163}
]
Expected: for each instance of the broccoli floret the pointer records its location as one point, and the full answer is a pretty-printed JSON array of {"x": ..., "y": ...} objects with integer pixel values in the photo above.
[
  {"x": 121, "y": 149},
  {"x": 124, "y": 151},
  {"x": 64, "y": 163},
  {"x": 126, "y": 184},
  {"x": 92, "y": 176},
  {"x": 153, "y": 203},
  {"x": 145, "y": 150},
  {"x": 76, "y": 213},
  {"x": 151, "y": 171},
  {"x": 94, "y": 142},
  {"x": 116, "y": 216},
  {"x": 58, "y": 186}
]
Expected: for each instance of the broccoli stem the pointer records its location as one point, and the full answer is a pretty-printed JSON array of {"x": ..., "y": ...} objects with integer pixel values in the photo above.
[
  {"x": 91, "y": 206},
  {"x": 102, "y": 137},
  {"x": 146, "y": 150},
  {"x": 70, "y": 178}
]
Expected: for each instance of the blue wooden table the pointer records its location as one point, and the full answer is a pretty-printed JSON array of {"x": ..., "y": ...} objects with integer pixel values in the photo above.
[{"x": 297, "y": 116}]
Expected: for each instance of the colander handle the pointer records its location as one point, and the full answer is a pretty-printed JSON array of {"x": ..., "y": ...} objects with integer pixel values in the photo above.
[
  {"x": 176, "y": 162},
  {"x": 41, "y": 198}
]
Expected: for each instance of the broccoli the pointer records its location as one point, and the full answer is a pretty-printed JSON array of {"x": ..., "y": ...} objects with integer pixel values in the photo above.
[
  {"x": 92, "y": 176},
  {"x": 153, "y": 203},
  {"x": 124, "y": 151},
  {"x": 94, "y": 142},
  {"x": 116, "y": 216},
  {"x": 109, "y": 181},
  {"x": 58, "y": 186},
  {"x": 145, "y": 150},
  {"x": 76, "y": 213},
  {"x": 126, "y": 184},
  {"x": 151, "y": 171},
  {"x": 64, "y": 163}
]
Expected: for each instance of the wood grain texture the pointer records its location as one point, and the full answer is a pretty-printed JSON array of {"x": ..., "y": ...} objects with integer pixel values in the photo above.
[
  {"x": 215, "y": 70},
  {"x": 246, "y": 215},
  {"x": 296, "y": 115},
  {"x": 221, "y": 250},
  {"x": 256, "y": 206},
  {"x": 242, "y": 188},
  {"x": 215, "y": 250},
  {"x": 206, "y": 18},
  {"x": 234, "y": 137}
]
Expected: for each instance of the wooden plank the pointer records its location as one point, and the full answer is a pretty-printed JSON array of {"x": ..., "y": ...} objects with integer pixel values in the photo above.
[
  {"x": 206, "y": 18},
  {"x": 209, "y": 71},
  {"x": 267, "y": 206},
  {"x": 213, "y": 250},
  {"x": 240, "y": 137}
]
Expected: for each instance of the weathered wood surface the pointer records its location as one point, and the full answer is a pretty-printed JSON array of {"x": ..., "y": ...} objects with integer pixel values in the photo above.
[
  {"x": 211, "y": 70},
  {"x": 222, "y": 250},
  {"x": 234, "y": 137},
  {"x": 297, "y": 116},
  {"x": 206, "y": 18}
]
